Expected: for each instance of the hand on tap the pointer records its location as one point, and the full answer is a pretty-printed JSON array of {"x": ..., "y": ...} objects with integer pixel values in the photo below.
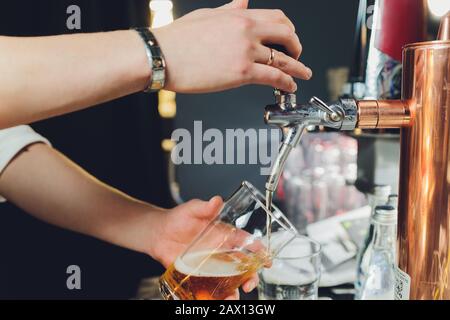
[
  {"x": 217, "y": 49},
  {"x": 207, "y": 50}
]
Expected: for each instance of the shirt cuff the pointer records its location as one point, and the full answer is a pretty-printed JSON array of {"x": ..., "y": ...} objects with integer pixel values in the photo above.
[{"x": 12, "y": 141}]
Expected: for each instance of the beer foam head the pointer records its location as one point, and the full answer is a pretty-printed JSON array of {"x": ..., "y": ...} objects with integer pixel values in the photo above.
[{"x": 204, "y": 264}]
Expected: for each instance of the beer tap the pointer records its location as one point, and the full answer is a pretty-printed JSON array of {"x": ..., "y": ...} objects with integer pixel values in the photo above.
[
  {"x": 293, "y": 119},
  {"x": 345, "y": 115}
]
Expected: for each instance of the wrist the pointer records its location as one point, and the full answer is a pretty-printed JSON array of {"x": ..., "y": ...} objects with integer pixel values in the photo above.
[
  {"x": 136, "y": 70},
  {"x": 136, "y": 227},
  {"x": 152, "y": 229},
  {"x": 152, "y": 234}
]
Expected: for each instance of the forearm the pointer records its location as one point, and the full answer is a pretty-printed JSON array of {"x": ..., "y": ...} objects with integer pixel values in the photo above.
[
  {"x": 52, "y": 188},
  {"x": 43, "y": 77}
]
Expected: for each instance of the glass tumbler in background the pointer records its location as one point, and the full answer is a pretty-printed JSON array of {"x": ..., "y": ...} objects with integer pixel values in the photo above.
[
  {"x": 294, "y": 274},
  {"x": 243, "y": 238}
]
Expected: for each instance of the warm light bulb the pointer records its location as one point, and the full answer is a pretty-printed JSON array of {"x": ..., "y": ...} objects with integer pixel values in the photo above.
[
  {"x": 167, "y": 106},
  {"x": 439, "y": 7},
  {"x": 161, "y": 5},
  {"x": 167, "y": 145},
  {"x": 161, "y": 11}
]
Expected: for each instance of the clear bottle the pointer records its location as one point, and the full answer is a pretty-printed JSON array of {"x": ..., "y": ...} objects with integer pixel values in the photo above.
[
  {"x": 393, "y": 201},
  {"x": 379, "y": 197},
  {"x": 380, "y": 280}
]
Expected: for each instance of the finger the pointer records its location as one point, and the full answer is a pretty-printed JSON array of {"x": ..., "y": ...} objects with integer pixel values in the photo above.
[
  {"x": 269, "y": 15},
  {"x": 214, "y": 205},
  {"x": 279, "y": 34},
  {"x": 212, "y": 209},
  {"x": 251, "y": 283},
  {"x": 204, "y": 210},
  {"x": 236, "y": 4},
  {"x": 283, "y": 62},
  {"x": 270, "y": 76}
]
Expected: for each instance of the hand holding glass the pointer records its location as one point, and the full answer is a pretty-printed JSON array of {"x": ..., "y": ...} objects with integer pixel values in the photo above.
[{"x": 244, "y": 237}]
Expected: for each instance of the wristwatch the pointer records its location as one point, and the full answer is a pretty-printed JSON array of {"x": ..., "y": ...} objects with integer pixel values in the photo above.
[{"x": 155, "y": 58}]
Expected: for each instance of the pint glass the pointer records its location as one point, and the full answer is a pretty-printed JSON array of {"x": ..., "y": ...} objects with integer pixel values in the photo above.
[{"x": 244, "y": 237}]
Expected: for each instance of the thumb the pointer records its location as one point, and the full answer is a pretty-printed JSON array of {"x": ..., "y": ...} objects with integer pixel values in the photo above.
[
  {"x": 205, "y": 210},
  {"x": 236, "y": 4},
  {"x": 199, "y": 209}
]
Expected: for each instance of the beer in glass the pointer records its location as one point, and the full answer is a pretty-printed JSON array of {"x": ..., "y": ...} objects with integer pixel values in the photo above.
[{"x": 231, "y": 249}]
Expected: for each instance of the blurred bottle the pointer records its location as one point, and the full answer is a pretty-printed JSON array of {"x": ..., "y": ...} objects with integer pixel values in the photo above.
[
  {"x": 318, "y": 179},
  {"x": 393, "y": 201},
  {"x": 380, "y": 279},
  {"x": 320, "y": 194},
  {"x": 379, "y": 197},
  {"x": 393, "y": 24},
  {"x": 298, "y": 201}
]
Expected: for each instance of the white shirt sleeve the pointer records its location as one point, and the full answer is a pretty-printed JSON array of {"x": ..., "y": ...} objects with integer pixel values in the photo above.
[{"x": 12, "y": 141}]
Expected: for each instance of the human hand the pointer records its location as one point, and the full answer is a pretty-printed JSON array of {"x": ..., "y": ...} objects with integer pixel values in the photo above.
[
  {"x": 181, "y": 225},
  {"x": 217, "y": 49}
]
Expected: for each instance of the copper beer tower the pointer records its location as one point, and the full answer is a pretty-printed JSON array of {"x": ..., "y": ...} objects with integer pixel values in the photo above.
[
  {"x": 424, "y": 199},
  {"x": 423, "y": 113}
]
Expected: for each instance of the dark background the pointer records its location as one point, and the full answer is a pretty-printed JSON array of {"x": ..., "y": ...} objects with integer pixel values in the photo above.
[
  {"x": 326, "y": 30},
  {"x": 119, "y": 142}
]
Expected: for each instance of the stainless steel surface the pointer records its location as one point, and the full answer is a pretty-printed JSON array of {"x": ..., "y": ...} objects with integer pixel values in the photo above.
[
  {"x": 293, "y": 119},
  {"x": 277, "y": 167},
  {"x": 350, "y": 109},
  {"x": 334, "y": 116},
  {"x": 311, "y": 114},
  {"x": 285, "y": 100}
]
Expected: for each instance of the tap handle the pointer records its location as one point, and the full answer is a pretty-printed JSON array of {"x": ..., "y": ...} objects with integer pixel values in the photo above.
[
  {"x": 285, "y": 100},
  {"x": 334, "y": 116},
  {"x": 321, "y": 105}
]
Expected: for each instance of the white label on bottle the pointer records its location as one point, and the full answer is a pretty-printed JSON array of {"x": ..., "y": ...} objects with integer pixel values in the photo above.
[{"x": 402, "y": 285}]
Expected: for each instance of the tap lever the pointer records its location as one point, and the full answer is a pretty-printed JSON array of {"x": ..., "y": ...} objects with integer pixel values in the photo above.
[
  {"x": 285, "y": 100},
  {"x": 334, "y": 116}
]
